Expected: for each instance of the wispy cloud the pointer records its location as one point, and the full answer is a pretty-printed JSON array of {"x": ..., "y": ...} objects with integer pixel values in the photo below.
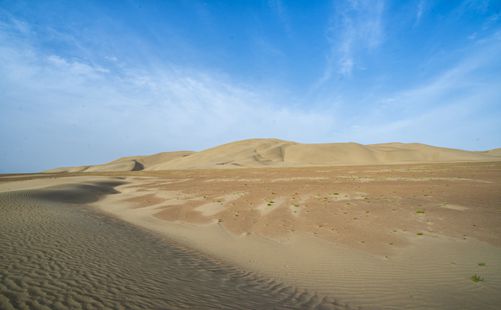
[
  {"x": 280, "y": 10},
  {"x": 354, "y": 27},
  {"x": 76, "y": 97},
  {"x": 420, "y": 9},
  {"x": 45, "y": 97},
  {"x": 449, "y": 109}
]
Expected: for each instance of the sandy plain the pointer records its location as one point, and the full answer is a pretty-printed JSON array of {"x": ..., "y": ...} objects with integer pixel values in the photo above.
[{"x": 371, "y": 237}]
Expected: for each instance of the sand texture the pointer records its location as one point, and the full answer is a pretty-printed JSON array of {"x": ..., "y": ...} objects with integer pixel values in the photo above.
[
  {"x": 375, "y": 237},
  {"x": 278, "y": 153},
  {"x": 400, "y": 236},
  {"x": 56, "y": 254}
]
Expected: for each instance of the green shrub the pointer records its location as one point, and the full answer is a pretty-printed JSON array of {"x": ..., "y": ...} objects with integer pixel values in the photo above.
[{"x": 476, "y": 278}]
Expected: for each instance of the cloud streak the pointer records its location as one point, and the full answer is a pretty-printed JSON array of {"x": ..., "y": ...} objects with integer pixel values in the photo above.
[
  {"x": 69, "y": 97},
  {"x": 355, "y": 27},
  {"x": 420, "y": 9},
  {"x": 46, "y": 96},
  {"x": 448, "y": 110}
]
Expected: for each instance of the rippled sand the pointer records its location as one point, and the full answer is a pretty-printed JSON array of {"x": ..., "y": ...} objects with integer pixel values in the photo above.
[{"x": 61, "y": 255}]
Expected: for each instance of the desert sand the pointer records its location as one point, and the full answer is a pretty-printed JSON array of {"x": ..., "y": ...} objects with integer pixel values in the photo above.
[
  {"x": 417, "y": 228},
  {"x": 57, "y": 255},
  {"x": 256, "y": 153}
]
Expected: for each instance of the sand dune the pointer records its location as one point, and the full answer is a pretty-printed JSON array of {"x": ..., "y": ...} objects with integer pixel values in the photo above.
[
  {"x": 130, "y": 163},
  {"x": 494, "y": 152},
  {"x": 155, "y": 159},
  {"x": 72, "y": 169},
  {"x": 257, "y": 153},
  {"x": 246, "y": 153}
]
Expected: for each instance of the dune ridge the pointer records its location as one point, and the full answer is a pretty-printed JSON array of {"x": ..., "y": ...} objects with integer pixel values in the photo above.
[{"x": 255, "y": 153}]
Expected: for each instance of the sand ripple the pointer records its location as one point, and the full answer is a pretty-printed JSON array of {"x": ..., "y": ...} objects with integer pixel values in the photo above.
[{"x": 62, "y": 255}]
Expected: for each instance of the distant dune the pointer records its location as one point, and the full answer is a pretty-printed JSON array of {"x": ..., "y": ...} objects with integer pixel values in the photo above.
[
  {"x": 257, "y": 153},
  {"x": 495, "y": 152},
  {"x": 131, "y": 163}
]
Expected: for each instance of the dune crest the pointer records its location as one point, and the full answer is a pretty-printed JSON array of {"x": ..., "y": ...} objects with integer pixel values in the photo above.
[{"x": 255, "y": 153}]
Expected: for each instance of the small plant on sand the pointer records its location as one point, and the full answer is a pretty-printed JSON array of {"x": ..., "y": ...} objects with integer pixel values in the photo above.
[
  {"x": 476, "y": 278},
  {"x": 419, "y": 234},
  {"x": 481, "y": 264},
  {"x": 420, "y": 211}
]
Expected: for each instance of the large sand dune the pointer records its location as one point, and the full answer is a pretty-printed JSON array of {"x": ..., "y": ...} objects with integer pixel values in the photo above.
[{"x": 257, "y": 153}]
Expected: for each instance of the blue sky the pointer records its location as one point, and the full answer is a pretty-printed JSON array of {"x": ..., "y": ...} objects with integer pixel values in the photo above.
[{"x": 84, "y": 82}]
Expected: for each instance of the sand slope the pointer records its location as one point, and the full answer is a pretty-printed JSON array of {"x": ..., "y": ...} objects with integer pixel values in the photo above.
[
  {"x": 130, "y": 163},
  {"x": 494, "y": 152},
  {"x": 246, "y": 153},
  {"x": 256, "y": 153},
  {"x": 279, "y": 153},
  {"x": 67, "y": 169}
]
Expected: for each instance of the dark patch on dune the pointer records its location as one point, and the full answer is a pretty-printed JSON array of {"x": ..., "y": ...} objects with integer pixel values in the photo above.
[
  {"x": 76, "y": 193},
  {"x": 137, "y": 166}
]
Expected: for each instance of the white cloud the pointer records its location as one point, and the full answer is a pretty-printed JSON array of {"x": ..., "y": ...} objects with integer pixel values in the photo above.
[
  {"x": 420, "y": 8},
  {"x": 458, "y": 107},
  {"x": 354, "y": 28},
  {"x": 75, "y": 67},
  {"x": 71, "y": 111}
]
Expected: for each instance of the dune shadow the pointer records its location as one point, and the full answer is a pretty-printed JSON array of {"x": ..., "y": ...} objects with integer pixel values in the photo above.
[{"x": 77, "y": 193}]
